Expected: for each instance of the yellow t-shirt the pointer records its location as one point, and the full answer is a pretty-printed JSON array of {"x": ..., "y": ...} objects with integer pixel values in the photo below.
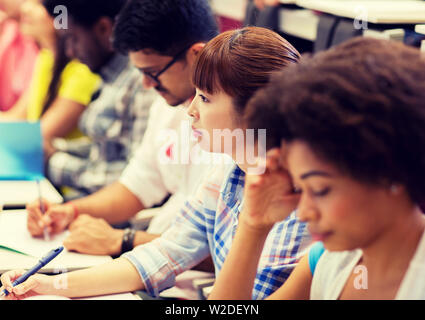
[{"x": 77, "y": 83}]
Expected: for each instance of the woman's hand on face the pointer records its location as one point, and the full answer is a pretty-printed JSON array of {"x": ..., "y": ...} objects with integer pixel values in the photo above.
[{"x": 269, "y": 197}]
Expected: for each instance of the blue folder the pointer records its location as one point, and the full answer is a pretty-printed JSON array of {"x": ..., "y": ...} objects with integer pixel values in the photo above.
[{"x": 21, "y": 151}]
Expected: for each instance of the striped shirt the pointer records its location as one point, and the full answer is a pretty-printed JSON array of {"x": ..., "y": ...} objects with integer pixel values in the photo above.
[
  {"x": 115, "y": 122},
  {"x": 206, "y": 225}
]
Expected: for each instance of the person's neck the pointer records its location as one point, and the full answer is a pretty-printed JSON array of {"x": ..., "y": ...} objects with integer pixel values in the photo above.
[
  {"x": 248, "y": 158},
  {"x": 247, "y": 167},
  {"x": 107, "y": 58},
  {"x": 48, "y": 42},
  {"x": 396, "y": 244}
]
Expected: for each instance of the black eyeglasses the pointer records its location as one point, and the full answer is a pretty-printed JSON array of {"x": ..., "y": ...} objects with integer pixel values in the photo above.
[{"x": 155, "y": 77}]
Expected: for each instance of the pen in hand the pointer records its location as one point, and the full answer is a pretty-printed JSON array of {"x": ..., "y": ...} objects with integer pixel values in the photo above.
[
  {"x": 43, "y": 261},
  {"x": 45, "y": 232}
]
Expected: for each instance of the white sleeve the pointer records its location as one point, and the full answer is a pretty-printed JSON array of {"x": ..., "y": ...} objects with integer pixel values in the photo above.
[{"x": 142, "y": 175}]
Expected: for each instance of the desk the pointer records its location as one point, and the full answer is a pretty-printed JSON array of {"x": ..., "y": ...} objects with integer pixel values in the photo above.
[
  {"x": 421, "y": 29},
  {"x": 14, "y": 235},
  {"x": 234, "y": 9},
  {"x": 16, "y": 194},
  {"x": 339, "y": 20},
  {"x": 300, "y": 23},
  {"x": 306, "y": 19},
  {"x": 374, "y": 11},
  {"x": 65, "y": 262},
  {"x": 71, "y": 261},
  {"x": 120, "y": 296}
]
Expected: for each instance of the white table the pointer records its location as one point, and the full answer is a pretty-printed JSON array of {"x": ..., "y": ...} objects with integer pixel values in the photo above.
[
  {"x": 233, "y": 9},
  {"x": 14, "y": 235},
  {"x": 374, "y": 11},
  {"x": 421, "y": 29},
  {"x": 19, "y": 193}
]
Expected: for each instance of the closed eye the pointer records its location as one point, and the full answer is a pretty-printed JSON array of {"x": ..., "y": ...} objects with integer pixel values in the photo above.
[{"x": 322, "y": 192}]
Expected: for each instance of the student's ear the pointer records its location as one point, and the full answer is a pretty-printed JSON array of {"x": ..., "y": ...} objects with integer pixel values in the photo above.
[
  {"x": 103, "y": 31},
  {"x": 193, "y": 51}
]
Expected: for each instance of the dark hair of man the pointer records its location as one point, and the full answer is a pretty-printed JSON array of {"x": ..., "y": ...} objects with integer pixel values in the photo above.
[
  {"x": 87, "y": 12},
  {"x": 359, "y": 106},
  {"x": 164, "y": 26}
]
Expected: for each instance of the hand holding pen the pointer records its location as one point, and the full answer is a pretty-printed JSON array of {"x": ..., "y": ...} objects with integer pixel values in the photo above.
[
  {"x": 55, "y": 219},
  {"x": 45, "y": 231},
  {"x": 20, "y": 285}
]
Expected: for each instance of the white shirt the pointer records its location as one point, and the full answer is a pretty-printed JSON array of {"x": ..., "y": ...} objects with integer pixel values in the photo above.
[
  {"x": 165, "y": 163},
  {"x": 334, "y": 269}
]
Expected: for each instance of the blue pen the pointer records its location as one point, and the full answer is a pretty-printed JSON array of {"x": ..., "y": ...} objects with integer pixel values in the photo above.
[{"x": 43, "y": 261}]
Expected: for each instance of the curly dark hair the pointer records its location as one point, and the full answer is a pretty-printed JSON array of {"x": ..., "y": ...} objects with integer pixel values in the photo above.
[
  {"x": 165, "y": 26},
  {"x": 359, "y": 106}
]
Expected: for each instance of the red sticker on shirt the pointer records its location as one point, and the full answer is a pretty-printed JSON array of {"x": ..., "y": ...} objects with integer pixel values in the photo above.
[{"x": 169, "y": 151}]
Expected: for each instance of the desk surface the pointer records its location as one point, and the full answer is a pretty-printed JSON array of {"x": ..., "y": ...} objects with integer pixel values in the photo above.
[
  {"x": 119, "y": 296},
  {"x": 374, "y": 11},
  {"x": 19, "y": 193},
  {"x": 420, "y": 28},
  {"x": 300, "y": 23},
  {"x": 234, "y": 9},
  {"x": 69, "y": 262},
  {"x": 14, "y": 235}
]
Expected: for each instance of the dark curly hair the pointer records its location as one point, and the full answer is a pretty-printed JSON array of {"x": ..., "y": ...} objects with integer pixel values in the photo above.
[{"x": 359, "y": 106}]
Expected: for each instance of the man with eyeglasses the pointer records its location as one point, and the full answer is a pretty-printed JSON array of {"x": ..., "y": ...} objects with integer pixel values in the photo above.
[
  {"x": 115, "y": 120},
  {"x": 162, "y": 40},
  {"x": 153, "y": 77}
]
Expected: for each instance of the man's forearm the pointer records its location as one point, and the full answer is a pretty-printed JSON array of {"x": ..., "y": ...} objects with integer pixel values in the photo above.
[
  {"x": 114, "y": 203},
  {"x": 143, "y": 237}
]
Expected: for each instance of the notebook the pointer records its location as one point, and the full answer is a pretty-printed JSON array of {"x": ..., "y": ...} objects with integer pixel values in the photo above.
[
  {"x": 21, "y": 151},
  {"x": 21, "y": 165},
  {"x": 19, "y": 250}
]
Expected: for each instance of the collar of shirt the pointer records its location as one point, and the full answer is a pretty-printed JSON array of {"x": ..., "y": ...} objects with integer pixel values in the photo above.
[
  {"x": 114, "y": 67},
  {"x": 233, "y": 189}
]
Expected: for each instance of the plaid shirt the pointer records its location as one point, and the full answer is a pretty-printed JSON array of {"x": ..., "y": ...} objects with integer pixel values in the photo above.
[
  {"x": 206, "y": 225},
  {"x": 115, "y": 122}
]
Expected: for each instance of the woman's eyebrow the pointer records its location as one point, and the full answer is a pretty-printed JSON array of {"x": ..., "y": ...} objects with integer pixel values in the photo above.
[{"x": 314, "y": 173}]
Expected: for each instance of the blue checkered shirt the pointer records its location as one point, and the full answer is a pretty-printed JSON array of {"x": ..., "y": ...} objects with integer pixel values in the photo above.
[
  {"x": 206, "y": 225},
  {"x": 115, "y": 122}
]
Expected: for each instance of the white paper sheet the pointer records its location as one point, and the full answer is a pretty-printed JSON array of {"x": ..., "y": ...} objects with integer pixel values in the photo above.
[
  {"x": 19, "y": 193},
  {"x": 14, "y": 235},
  {"x": 120, "y": 296}
]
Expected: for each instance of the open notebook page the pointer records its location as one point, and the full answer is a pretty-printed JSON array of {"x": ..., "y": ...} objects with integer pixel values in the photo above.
[
  {"x": 18, "y": 193},
  {"x": 14, "y": 235}
]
